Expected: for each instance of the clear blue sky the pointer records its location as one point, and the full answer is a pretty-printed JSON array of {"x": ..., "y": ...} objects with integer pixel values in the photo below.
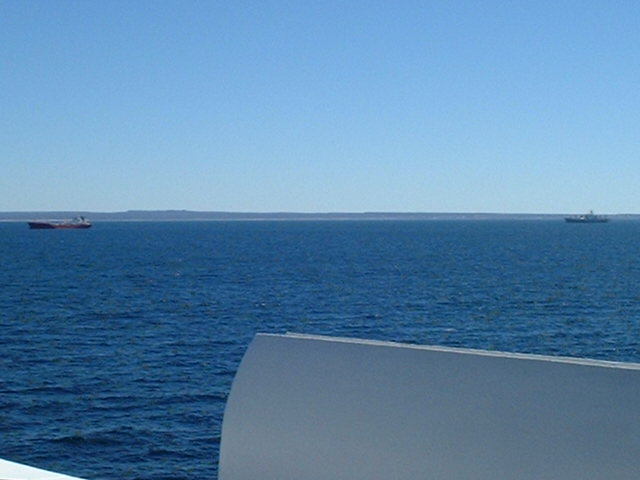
[{"x": 430, "y": 105}]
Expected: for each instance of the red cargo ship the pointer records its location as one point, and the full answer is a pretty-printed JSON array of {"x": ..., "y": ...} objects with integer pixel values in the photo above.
[{"x": 78, "y": 222}]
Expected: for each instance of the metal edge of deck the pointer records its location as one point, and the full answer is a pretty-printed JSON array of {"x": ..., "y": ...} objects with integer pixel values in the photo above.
[{"x": 17, "y": 471}]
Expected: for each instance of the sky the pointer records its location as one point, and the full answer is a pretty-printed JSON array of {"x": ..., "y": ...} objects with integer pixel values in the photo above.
[{"x": 320, "y": 106}]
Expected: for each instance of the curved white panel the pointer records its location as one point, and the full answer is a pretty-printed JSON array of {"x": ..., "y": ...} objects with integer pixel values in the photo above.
[
  {"x": 17, "y": 471},
  {"x": 317, "y": 408}
]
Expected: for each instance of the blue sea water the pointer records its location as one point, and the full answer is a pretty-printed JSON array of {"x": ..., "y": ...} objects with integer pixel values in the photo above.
[{"x": 119, "y": 343}]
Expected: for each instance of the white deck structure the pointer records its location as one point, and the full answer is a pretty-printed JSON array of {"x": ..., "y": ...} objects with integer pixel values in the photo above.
[
  {"x": 16, "y": 471},
  {"x": 318, "y": 408}
]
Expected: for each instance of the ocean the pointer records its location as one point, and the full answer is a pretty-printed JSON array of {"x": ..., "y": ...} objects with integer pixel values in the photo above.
[{"x": 120, "y": 343}]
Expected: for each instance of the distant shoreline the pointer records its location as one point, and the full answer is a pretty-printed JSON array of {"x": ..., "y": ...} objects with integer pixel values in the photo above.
[{"x": 190, "y": 215}]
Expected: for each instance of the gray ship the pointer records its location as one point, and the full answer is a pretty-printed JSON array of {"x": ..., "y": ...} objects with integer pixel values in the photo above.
[{"x": 587, "y": 218}]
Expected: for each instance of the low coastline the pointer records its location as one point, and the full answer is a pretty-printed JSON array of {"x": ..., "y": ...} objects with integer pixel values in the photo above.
[{"x": 191, "y": 215}]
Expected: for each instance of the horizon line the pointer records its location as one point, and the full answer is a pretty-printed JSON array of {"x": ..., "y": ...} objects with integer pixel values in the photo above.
[{"x": 298, "y": 212}]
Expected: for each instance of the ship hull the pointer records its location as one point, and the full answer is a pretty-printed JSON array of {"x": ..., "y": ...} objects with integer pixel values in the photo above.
[
  {"x": 583, "y": 220},
  {"x": 57, "y": 226}
]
